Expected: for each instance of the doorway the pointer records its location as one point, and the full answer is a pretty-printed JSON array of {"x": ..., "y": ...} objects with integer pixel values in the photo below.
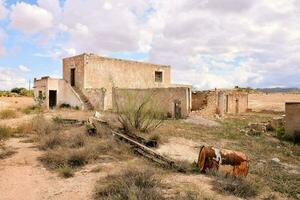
[
  {"x": 227, "y": 104},
  {"x": 72, "y": 78},
  {"x": 237, "y": 106},
  {"x": 52, "y": 98},
  {"x": 177, "y": 109}
]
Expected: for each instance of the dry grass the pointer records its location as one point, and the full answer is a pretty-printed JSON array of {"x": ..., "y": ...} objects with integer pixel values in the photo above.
[
  {"x": 261, "y": 148},
  {"x": 133, "y": 183},
  {"x": 227, "y": 184},
  {"x": 6, "y": 152},
  {"x": 32, "y": 110},
  {"x": 6, "y": 132},
  {"x": 66, "y": 172},
  {"x": 8, "y": 114}
]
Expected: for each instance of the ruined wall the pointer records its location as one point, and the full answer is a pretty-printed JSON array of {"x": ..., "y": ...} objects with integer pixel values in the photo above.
[
  {"x": 237, "y": 102},
  {"x": 292, "y": 118},
  {"x": 199, "y": 100},
  {"x": 78, "y": 63},
  {"x": 162, "y": 99},
  {"x": 209, "y": 103},
  {"x": 96, "y": 97}
]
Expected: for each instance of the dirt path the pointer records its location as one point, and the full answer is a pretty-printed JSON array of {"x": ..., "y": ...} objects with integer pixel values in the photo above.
[{"x": 23, "y": 177}]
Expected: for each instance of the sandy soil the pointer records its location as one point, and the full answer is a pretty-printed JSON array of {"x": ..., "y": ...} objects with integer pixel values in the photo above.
[
  {"x": 196, "y": 119},
  {"x": 180, "y": 149},
  {"x": 15, "y": 102},
  {"x": 272, "y": 101},
  {"x": 23, "y": 177}
]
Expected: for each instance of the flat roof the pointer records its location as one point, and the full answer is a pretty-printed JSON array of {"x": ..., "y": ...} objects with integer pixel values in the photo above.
[{"x": 119, "y": 59}]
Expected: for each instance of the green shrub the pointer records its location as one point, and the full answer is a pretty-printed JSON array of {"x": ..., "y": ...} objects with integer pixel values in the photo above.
[{"x": 8, "y": 114}]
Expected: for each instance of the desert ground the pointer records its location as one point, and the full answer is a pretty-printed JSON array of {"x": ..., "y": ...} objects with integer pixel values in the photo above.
[
  {"x": 271, "y": 101},
  {"x": 42, "y": 158}
]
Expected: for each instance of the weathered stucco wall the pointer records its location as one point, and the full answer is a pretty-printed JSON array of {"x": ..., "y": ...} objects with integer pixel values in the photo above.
[
  {"x": 65, "y": 93},
  {"x": 292, "y": 119},
  {"x": 101, "y": 72},
  {"x": 162, "y": 99},
  {"x": 96, "y": 97},
  {"x": 78, "y": 63}
]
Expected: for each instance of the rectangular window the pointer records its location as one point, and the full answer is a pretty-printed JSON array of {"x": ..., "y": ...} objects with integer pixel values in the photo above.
[
  {"x": 158, "y": 76},
  {"x": 40, "y": 94}
]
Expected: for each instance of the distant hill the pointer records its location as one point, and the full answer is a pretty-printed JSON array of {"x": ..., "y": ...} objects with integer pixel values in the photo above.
[{"x": 278, "y": 89}]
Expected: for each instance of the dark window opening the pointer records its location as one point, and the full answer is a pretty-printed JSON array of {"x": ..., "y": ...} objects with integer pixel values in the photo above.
[
  {"x": 40, "y": 94},
  {"x": 72, "y": 77},
  {"x": 158, "y": 76}
]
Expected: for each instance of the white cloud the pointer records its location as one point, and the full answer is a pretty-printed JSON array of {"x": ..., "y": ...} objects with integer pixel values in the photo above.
[
  {"x": 222, "y": 43},
  {"x": 3, "y": 10},
  {"x": 23, "y": 68},
  {"x": 30, "y": 18},
  {"x": 10, "y": 78}
]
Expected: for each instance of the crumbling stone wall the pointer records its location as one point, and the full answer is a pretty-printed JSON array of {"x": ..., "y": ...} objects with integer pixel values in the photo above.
[
  {"x": 292, "y": 118},
  {"x": 221, "y": 102},
  {"x": 162, "y": 99}
]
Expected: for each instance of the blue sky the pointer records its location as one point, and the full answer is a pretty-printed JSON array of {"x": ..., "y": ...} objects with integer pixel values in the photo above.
[{"x": 216, "y": 43}]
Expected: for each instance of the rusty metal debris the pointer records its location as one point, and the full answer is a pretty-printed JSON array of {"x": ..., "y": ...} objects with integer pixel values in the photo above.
[{"x": 227, "y": 161}]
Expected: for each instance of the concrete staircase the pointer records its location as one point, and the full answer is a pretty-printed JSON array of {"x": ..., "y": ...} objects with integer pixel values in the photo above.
[{"x": 84, "y": 99}]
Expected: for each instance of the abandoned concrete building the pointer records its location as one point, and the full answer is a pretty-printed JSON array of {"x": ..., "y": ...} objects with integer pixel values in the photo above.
[
  {"x": 90, "y": 82},
  {"x": 221, "y": 102},
  {"x": 292, "y": 119}
]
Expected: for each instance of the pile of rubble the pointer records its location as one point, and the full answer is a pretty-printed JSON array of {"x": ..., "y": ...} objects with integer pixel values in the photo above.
[{"x": 256, "y": 129}]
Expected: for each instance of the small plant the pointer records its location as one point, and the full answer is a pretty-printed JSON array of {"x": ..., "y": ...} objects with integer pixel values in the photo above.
[
  {"x": 66, "y": 172},
  {"x": 78, "y": 140},
  {"x": 51, "y": 141},
  {"x": 8, "y": 114},
  {"x": 6, "y": 152},
  {"x": 40, "y": 99},
  {"x": 5, "y": 132},
  {"x": 65, "y": 105}
]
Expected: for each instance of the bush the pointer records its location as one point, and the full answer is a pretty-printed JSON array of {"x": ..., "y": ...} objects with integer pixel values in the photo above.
[
  {"x": 51, "y": 141},
  {"x": 78, "y": 140},
  {"x": 78, "y": 157},
  {"x": 131, "y": 184},
  {"x": 66, "y": 172},
  {"x": 8, "y": 114},
  {"x": 6, "y": 152},
  {"x": 138, "y": 113},
  {"x": 236, "y": 186},
  {"x": 63, "y": 157},
  {"x": 22, "y": 92},
  {"x": 6, "y": 132}
]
